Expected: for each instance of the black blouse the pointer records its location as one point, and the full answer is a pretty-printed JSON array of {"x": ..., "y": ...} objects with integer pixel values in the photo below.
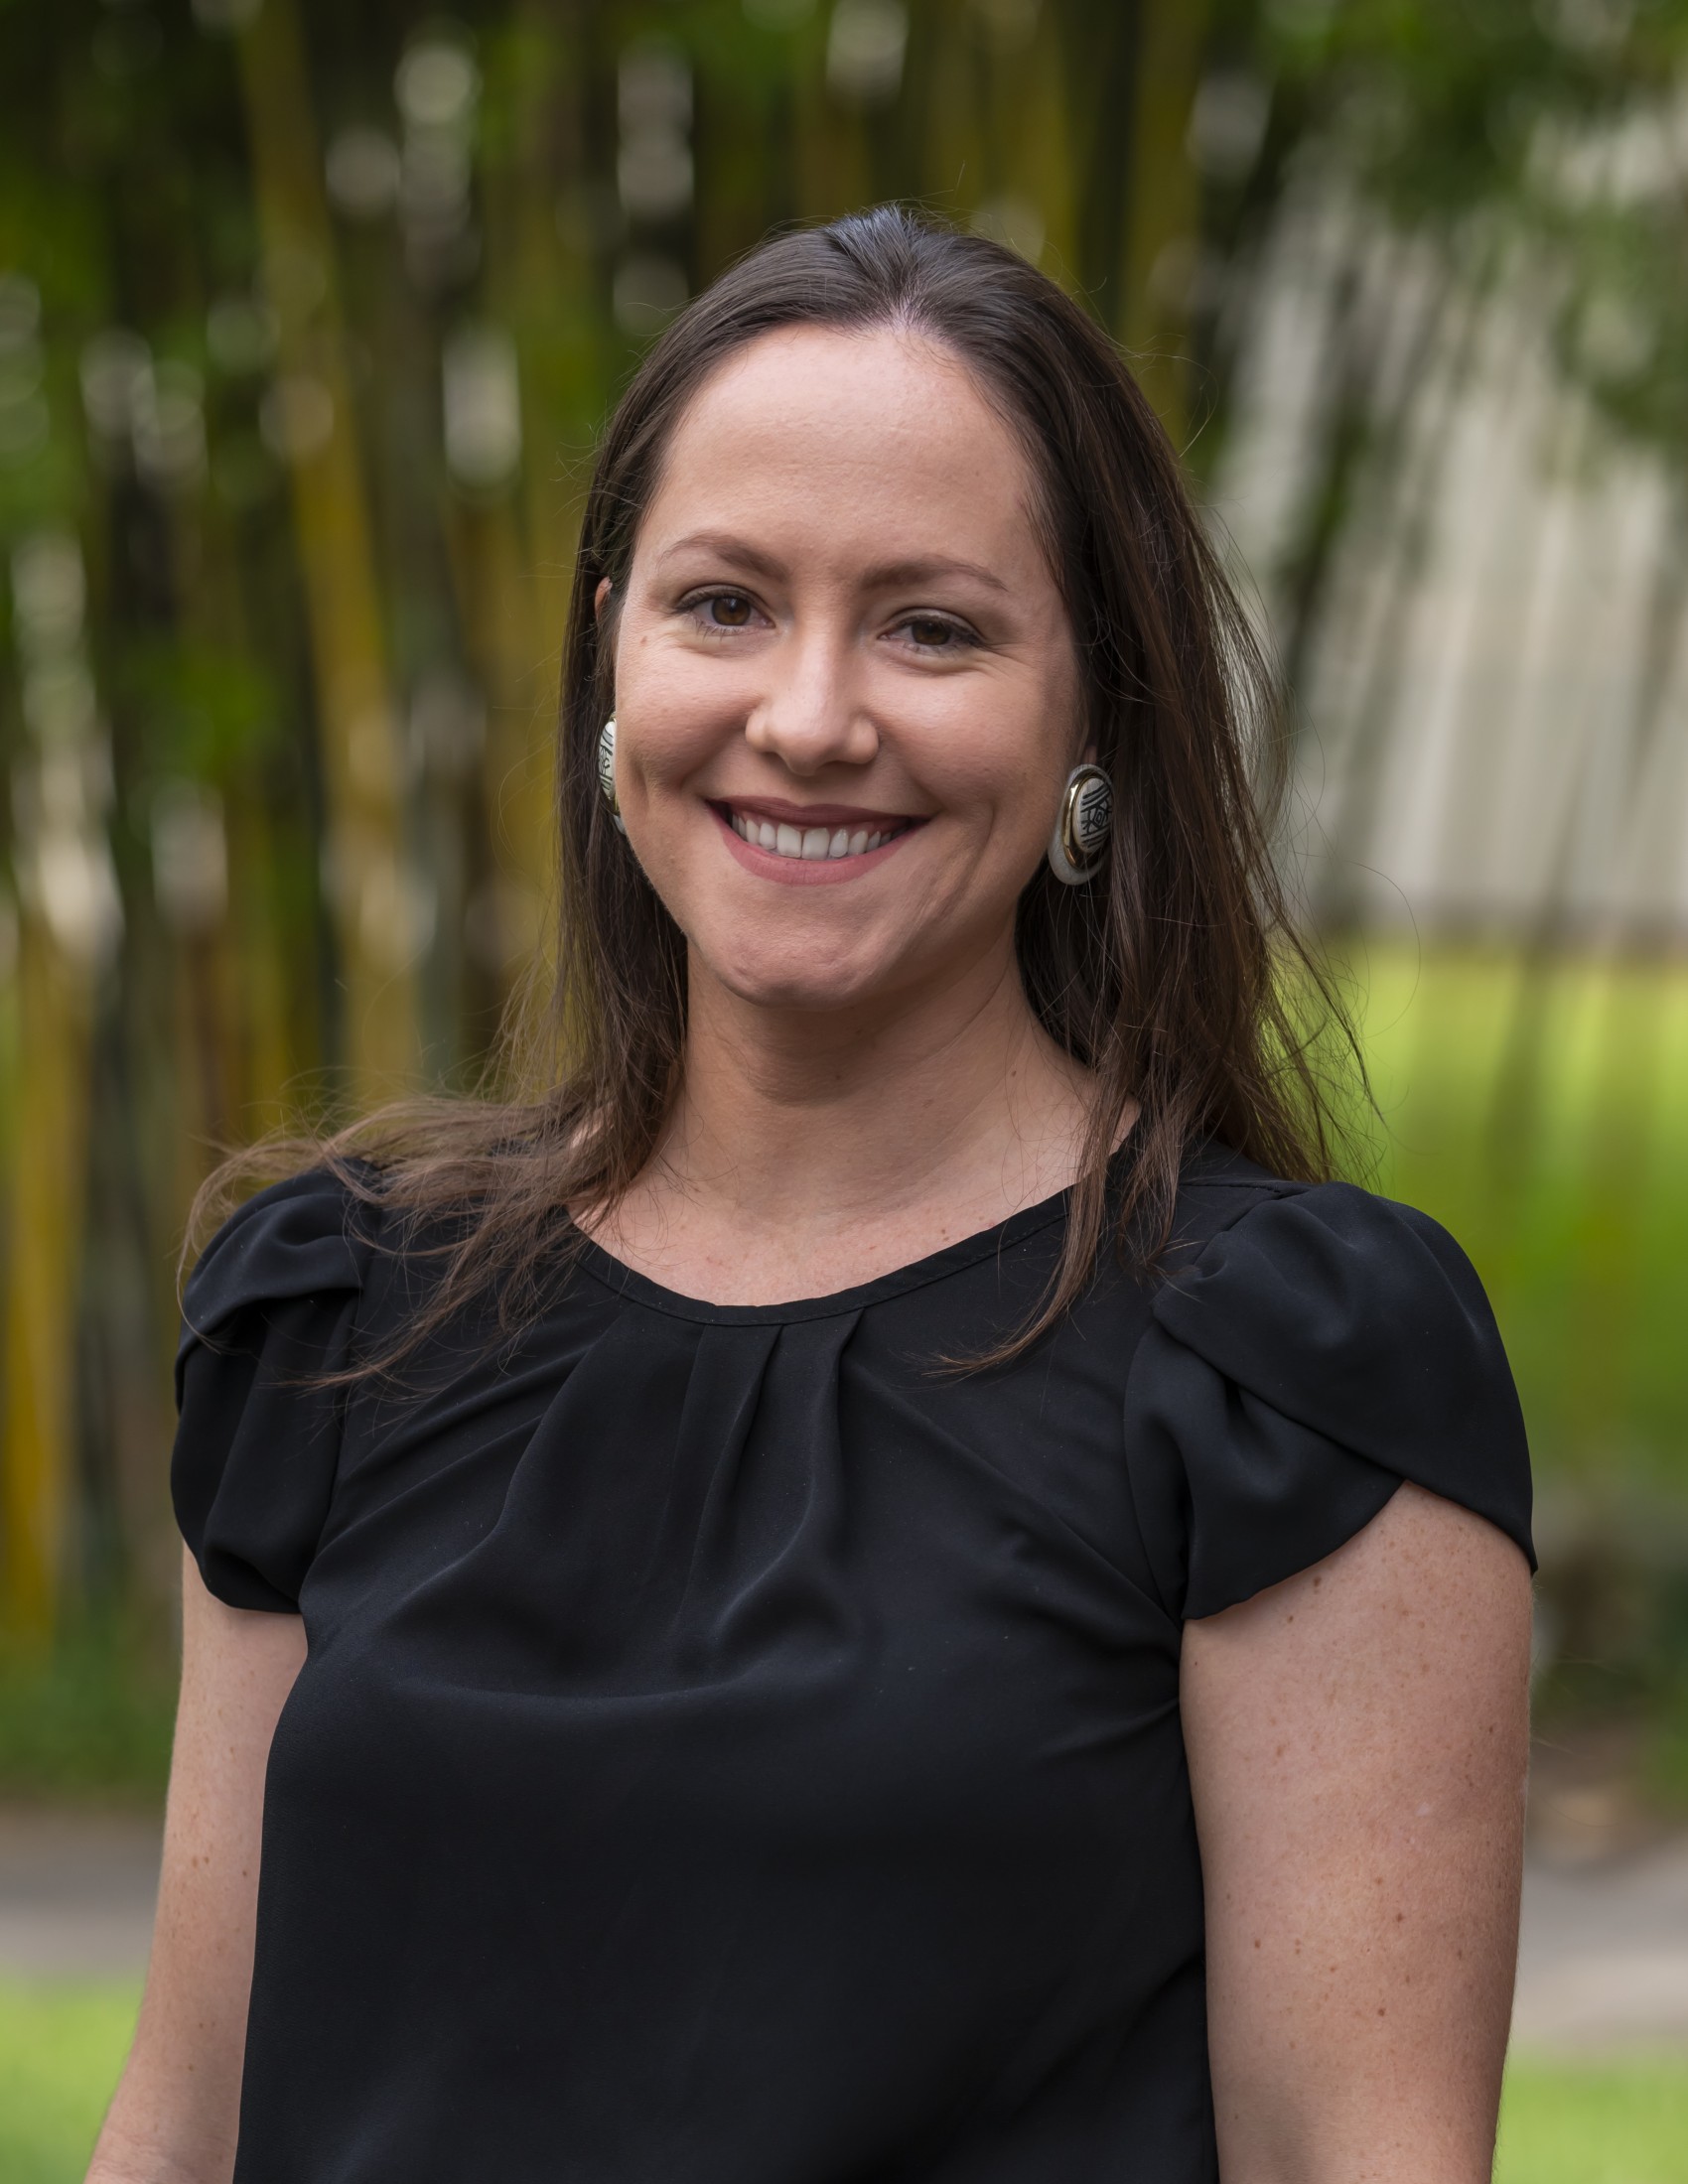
[{"x": 734, "y": 1750}]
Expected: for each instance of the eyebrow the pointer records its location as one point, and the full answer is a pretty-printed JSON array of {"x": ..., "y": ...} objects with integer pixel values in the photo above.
[{"x": 883, "y": 576}]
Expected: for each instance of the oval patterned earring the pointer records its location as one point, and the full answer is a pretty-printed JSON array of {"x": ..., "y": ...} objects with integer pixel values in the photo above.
[
  {"x": 1078, "y": 845},
  {"x": 606, "y": 771}
]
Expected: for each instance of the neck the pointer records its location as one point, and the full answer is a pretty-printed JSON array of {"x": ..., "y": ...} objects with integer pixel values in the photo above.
[{"x": 803, "y": 1122}]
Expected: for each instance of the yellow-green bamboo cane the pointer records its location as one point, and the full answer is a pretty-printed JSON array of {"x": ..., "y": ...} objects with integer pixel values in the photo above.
[
  {"x": 49, "y": 1162},
  {"x": 313, "y": 415}
]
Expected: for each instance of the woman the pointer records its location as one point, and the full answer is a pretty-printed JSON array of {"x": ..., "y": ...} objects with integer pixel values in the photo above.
[{"x": 883, "y": 1580}]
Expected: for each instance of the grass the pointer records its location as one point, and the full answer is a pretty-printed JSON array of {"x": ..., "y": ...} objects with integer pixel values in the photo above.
[
  {"x": 62, "y": 2046},
  {"x": 1581, "y": 2123}
]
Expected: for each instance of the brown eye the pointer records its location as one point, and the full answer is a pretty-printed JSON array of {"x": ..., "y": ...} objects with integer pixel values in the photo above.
[
  {"x": 729, "y": 610},
  {"x": 926, "y": 630}
]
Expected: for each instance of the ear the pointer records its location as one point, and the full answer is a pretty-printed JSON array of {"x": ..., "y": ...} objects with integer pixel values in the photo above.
[{"x": 599, "y": 597}]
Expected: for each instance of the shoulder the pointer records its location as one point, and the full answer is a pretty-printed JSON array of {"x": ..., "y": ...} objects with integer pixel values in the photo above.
[
  {"x": 310, "y": 1235},
  {"x": 1328, "y": 1299},
  {"x": 1311, "y": 1347},
  {"x": 267, "y": 1323}
]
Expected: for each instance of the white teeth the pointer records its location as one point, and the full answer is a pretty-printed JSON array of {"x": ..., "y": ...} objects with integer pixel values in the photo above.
[{"x": 810, "y": 842}]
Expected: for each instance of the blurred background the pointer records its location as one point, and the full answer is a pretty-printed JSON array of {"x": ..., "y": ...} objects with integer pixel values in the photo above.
[{"x": 309, "y": 315}]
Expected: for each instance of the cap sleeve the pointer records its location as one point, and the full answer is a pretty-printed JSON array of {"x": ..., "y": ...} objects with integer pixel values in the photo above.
[
  {"x": 1322, "y": 1348},
  {"x": 268, "y": 1309}
]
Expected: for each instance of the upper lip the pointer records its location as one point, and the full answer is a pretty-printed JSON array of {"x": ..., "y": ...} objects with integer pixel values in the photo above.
[{"x": 777, "y": 811}]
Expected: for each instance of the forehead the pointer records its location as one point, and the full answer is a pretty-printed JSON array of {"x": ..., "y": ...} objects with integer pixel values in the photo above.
[{"x": 880, "y": 438}]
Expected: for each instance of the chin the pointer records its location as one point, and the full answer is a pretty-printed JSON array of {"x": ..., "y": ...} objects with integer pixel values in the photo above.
[{"x": 807, "y": 984}]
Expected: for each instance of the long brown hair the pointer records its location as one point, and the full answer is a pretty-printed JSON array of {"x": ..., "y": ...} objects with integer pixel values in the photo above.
[{"x": 1176, "y": 976}]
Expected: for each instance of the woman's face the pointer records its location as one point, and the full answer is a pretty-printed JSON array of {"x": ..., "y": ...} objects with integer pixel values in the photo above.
[{"x": 846, "y": 692}]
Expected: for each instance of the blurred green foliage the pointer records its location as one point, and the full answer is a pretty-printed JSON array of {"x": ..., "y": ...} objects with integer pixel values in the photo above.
[
  {"x": 90, "y": 1718},
  {"x": 1539, "y": 1105},
  {"x": 1555, "y": 123}
]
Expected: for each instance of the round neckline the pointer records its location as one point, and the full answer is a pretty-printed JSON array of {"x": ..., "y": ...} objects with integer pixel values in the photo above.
[{"x": 615, "y": 1274}]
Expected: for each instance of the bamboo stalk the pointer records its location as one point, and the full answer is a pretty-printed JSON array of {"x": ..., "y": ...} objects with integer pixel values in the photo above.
[
  {"x": 1163, "y": 205},
  {"x": 364, "y": 850},
  {"x": 48, "y": 1155}
]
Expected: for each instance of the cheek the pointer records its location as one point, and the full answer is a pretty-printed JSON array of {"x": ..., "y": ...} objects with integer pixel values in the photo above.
[
  {"x": 670, "y": 717},
  {"x": 1011, "y": 736},
  {"x": 1000, "y": 764}
]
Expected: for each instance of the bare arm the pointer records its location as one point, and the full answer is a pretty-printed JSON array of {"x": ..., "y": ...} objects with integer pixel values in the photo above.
[
  {"x": 1358, "y": 1742},
  {"x": 175, "y": 2114}
]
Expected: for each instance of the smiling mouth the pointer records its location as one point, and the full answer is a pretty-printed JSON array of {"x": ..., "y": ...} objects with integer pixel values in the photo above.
[{"x": 815, "y": 844}]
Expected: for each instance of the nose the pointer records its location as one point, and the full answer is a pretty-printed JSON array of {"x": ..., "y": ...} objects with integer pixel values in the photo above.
[{"x": 812, "y": 717}]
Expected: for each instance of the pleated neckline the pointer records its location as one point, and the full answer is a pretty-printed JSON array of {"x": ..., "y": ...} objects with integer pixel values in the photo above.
[{"x": 615, "y": 1274}]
